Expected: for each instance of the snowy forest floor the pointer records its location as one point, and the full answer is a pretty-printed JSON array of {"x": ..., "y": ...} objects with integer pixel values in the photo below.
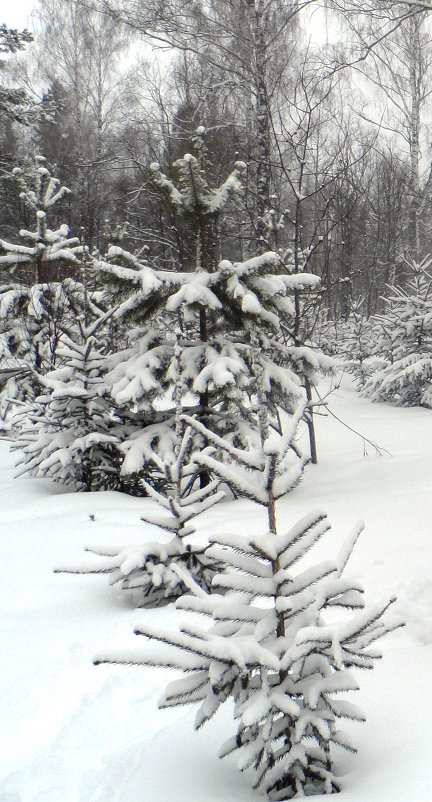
[{"x": 72, "y": 732}]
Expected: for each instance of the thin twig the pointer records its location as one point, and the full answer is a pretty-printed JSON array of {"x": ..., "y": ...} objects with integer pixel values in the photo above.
[{"x": 379, "y": 449}]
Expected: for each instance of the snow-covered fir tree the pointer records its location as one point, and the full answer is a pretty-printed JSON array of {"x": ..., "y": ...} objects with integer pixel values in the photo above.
[
  {"x": 37, "y": 284},
  {"x": 70, "y": 432},
  {"x": 226, "y": 316},
  {"x": 351, "y": 341},
  {"x": 217, "y": 370},
  {"x": 384, "y": 346},
  {"x": 328, "y": 333},
  {"x": 405, "y": 343},
  {"x": 15, "y": 103},
  {"x": 155, "y": 573},
  {"x": 47, "y": 251},
  {"x": 356, "y": 343},
  {"x": 217, "y": 301},
  {"x": 275, "y": 646},
  {"x": 159, "y": 571},
  {"x": 163, "y": 571}
]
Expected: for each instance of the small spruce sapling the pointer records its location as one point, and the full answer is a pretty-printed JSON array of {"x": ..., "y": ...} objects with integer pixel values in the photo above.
[
  {"x": 37, "y": 286},
  {"x": 69, "y": 432},
  {"x": 255, "y": 294},
  {"x": 219, "y": 301},
  {"x": 155, "y": 573},
  {"x": 406, "y": 343},
  {"x": 357, "y": 343},
  {"x": 271, "y": 648}
]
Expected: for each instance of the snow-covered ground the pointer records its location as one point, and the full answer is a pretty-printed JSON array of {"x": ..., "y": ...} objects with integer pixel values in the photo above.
[{"x": 72, "y": 732}]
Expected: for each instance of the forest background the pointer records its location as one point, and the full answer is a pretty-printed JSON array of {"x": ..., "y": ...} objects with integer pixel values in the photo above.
[{"x": 327, "y": 103}]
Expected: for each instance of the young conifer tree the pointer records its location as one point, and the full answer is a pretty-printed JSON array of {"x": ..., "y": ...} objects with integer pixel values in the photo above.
[
  {"x": 218, "y": 300},
  {"x": 155, "y": 573},
  {"x": 37, "y": 285},
  {"x": 406, "y": 343},
  {"x": 69, "y": 433},
  {"x": 283, "y": 661},
  {"x": 226, "y": 371},
  {"x": 357, "y": 343},
  {"x": 227, "y": 314}
]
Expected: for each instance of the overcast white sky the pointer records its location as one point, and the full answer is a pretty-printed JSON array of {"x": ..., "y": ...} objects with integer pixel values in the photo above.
[{"x": 15, "y": 14}]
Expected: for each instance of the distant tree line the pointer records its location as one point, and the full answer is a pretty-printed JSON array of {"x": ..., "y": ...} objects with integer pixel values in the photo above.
[{"x": 338, "y": 163}]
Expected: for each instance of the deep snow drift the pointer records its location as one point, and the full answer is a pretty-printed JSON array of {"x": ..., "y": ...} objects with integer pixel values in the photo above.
[{"x": 72, "y": 732}]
